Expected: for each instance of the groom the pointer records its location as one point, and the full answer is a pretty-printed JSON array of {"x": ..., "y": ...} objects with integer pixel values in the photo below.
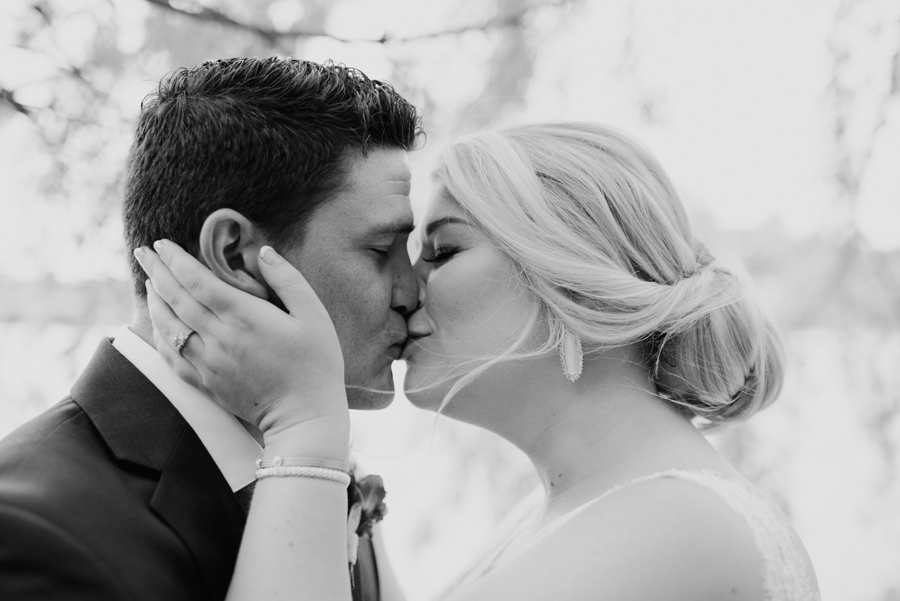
[{"x": 136, "y": 486}]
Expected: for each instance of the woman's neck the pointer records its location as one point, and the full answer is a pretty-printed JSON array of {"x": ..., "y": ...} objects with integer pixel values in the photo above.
[{"x": 607, "y": 428}]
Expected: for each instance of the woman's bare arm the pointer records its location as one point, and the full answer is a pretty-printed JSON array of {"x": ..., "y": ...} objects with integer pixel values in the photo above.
[{"x": 282, "y": 372}]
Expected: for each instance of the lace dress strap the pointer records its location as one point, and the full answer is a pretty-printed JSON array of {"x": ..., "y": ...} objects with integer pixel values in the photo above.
[{"x": 787, "y": 575}]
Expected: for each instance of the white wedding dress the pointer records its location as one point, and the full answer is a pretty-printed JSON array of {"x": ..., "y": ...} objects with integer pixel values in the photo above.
[{"x": 786, "y": 572}]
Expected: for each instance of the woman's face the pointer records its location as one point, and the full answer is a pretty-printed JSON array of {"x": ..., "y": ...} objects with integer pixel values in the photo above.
[{"x": 474, "y": 308}]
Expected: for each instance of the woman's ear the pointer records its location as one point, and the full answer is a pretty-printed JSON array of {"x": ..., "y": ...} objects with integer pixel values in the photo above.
[{"x": 229, "y": 245}]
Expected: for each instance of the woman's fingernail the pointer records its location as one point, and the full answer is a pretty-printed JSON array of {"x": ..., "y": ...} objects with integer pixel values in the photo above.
[
  {"x": 268, "y": 254},
  {"x": 139, "y": 254},
  {"x": 159, "y": 245}
]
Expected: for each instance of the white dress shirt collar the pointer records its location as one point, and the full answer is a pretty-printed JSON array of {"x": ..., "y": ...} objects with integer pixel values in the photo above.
[{"x": 233, "y": 449}]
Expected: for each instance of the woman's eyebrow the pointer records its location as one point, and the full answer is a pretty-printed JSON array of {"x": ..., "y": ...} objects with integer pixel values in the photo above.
[{"x": 431, "y": 227}]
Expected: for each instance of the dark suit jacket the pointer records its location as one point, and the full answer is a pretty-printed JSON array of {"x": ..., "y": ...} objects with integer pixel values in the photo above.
[{"x": 111, "y": 495}]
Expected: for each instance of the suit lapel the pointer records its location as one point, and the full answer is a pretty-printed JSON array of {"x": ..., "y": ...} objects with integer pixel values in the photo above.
[
  {"x": 198, "y": 504},
  {"x": 142, "y": 427}
]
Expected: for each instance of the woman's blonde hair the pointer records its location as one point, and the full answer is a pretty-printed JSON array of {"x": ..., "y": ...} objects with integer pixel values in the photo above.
[{"x": 602, "y": 241}]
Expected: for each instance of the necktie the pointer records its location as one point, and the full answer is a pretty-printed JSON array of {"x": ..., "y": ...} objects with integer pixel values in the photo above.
[{"x": 365, "y": 572}]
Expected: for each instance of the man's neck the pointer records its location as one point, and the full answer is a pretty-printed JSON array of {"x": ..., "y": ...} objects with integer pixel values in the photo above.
[{"x": 140, "y": 322}]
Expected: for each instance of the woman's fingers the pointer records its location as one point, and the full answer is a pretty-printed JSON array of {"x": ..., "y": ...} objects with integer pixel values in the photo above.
[
  {"x": 288, "y": 283},
  {"x": 183, "y": 369},
  {"x": 166, "y": 327},
  {"x": 196, "y": 279},
  {"x": 180, "y": 300},
  {"x": 246, "y": 352}
]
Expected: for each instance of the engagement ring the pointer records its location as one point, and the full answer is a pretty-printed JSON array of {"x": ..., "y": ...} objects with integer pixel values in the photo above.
[{"x": 181, "y": 340}]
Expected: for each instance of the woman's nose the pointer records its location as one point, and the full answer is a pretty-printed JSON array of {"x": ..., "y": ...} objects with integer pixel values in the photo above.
[{"x": 421, "y": 269}]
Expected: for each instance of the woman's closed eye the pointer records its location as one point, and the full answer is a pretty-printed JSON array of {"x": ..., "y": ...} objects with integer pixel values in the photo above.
[{"x": 440, "y": 255}]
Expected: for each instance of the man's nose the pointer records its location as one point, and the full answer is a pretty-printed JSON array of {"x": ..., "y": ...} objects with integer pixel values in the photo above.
[{"x": 406, "y": 288}]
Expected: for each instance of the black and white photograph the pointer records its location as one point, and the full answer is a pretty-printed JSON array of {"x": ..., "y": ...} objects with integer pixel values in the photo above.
[{"x": 450, "y": 300}]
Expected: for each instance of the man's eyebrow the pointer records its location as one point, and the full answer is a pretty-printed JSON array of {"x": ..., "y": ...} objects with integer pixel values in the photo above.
[
  {"x": 393, "y": 228},
  {"x": 429, "y": 229}
]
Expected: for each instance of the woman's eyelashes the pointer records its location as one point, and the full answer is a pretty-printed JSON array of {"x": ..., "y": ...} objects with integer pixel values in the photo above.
[{"x": 440, "y": 255}]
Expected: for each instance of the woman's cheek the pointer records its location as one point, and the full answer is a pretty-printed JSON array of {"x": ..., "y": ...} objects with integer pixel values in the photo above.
[
  {"x": 465, "y": 309},
  {"x": 456, "y": 293}
]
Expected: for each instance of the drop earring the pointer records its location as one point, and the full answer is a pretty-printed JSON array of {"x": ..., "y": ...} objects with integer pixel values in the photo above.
[{"x": 571, "y": 356}]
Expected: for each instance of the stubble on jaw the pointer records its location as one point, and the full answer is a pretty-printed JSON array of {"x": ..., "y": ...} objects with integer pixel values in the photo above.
[{"x": 375, "y": 395}]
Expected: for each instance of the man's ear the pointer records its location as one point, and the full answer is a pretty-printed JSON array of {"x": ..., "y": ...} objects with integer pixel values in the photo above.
[{"x": 229, "y": 245}]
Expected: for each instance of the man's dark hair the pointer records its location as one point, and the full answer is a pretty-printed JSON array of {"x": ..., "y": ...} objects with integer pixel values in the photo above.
[{"x": 265, "y": 137}]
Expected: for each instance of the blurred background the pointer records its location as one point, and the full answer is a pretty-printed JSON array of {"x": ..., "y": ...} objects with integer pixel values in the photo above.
[{"x": 778, "y": 120}]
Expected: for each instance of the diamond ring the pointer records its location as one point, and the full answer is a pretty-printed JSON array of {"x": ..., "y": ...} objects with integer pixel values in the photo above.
[{"x": 180, "y": 340}]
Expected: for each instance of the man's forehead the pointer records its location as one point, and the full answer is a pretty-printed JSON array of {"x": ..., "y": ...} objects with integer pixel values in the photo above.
[
  {"x": 377, "y": 199},
  {"x": 378, "y": 165}
]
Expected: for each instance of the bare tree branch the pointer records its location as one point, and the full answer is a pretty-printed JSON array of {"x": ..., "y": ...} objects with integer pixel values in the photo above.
[
  {"x": 211, "y": 15},
  {"x": 208, "y": 15},
  {"x": 7, "y": 97},
  {"x": 69, "y": 69}
]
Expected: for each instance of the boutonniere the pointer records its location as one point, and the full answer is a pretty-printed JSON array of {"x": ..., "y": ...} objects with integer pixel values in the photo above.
[{"x": 366, "y": 507}]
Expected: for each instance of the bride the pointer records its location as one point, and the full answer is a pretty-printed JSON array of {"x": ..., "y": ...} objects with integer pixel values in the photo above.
[{"x": 567, "y": 307}]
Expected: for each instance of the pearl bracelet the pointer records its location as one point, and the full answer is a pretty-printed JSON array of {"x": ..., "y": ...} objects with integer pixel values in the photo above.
[
  {"x": 305, "y": 471},
  {"x": 278, "y": 461}
]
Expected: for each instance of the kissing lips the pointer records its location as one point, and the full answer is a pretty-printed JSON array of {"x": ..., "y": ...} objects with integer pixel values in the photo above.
[
  {"x": 410, "y": 347},
  {"x": 395, "y": 351}
]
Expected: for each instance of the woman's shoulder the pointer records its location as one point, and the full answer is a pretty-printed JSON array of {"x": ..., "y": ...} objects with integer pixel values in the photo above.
[
  {"x": 743, "y": 520},
  {"x": 657, "y": 538},
  {"x": 736, "y": 540},
  {"x": 671, "y": 531}
]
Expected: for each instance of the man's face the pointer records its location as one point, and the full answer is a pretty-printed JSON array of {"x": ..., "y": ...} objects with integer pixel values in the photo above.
[{"x": 354, "y": 256}]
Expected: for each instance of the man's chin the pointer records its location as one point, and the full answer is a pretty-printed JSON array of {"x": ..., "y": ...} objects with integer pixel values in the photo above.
[{"x": 374, "y": 395}]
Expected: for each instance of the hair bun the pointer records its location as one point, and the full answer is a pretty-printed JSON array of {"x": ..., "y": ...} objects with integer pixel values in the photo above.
[{"x": 720, "y": 356}]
